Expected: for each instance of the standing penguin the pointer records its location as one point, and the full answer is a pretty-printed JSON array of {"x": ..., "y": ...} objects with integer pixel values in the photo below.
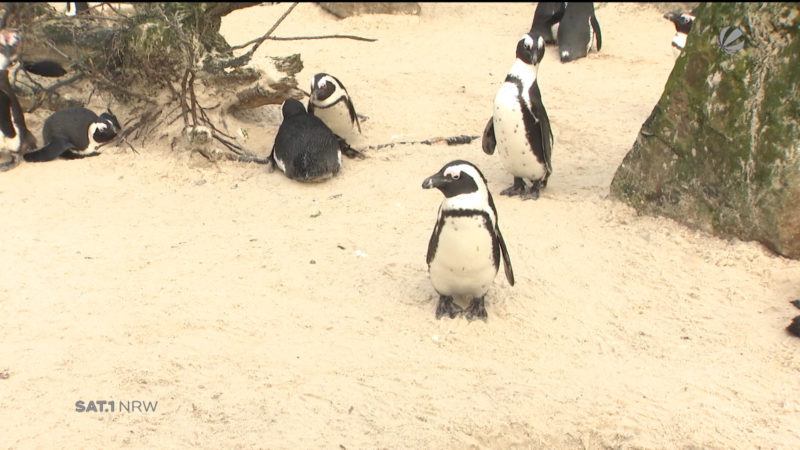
[
  {"x": 466, "y": 245},
  {"x": 547, "y": 15},
  {"x": 519, "y": 126},
  {"x": 683, "y": 24},
  {"x": 74, "y": 133},
  {"x": 577, "y": 31},
  {"x": 332, "y": 104},
  {"x": 305, "y": 149},
  {"x": 17, "y": 139}
]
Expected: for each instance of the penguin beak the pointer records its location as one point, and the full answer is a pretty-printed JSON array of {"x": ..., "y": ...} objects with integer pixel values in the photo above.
[{"x": 434, "y": 181}]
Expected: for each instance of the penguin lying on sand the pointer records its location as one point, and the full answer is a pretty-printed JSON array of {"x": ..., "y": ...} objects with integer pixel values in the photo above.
[
  {"x": 519, "y": 127},
  {"x": 332, "y": 104},
  {"x": 17, "y": 139},
  {"x": 683, "y": 24},
  {"x": 305, "y": 149},
  {"x": 547, "y": 15},
  {"x": 74, "y": 133},
  {"x": 577, "y": 31},
  {"x": 466, "y": 245}
]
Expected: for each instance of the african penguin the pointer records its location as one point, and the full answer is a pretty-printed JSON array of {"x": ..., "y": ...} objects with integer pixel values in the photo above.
[
  {"x": 547, "y": 15},
  {"x": 577, "y": 31},
  {"x": 683, "y": 24},
  {"x": 330, "y": 102},
  {"x": 519, "y": 127},
  {"x": 466, "y": 245},
  {"x": 305, "y": 149},
  {"x": 74, "y": 133},
  {"x": 17, "y": 139}
]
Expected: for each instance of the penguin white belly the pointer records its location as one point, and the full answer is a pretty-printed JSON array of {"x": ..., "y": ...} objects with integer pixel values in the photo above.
[
  {"x": 337, "y": 118},
  {"x": 11, "y": 144},
  {"x": 512, "y": 141},
  {"x": 463, "y": 262}
]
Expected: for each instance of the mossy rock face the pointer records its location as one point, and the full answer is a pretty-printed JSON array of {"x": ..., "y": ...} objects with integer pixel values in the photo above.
[{"x": 721, "y": 149}]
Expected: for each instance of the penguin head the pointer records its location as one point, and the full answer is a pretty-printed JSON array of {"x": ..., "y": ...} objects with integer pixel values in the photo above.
[
  {"x": 530, "y": 49},
  {"x": 9, "y": 47},
  {"x": 292, "y": 107},
  {"x": 323, "y": 88},
  {"x": 106, "y": 127},
  {"x": 458, "y": 178}
]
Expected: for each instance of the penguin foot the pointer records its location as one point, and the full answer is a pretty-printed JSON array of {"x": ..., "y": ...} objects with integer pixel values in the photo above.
[
  {"x": 8, "y": 165},
  {"x": 518, "y": 188},
  {"x": 533, "y": 192},
  {"x": 446, "y": 306},
  {"x": 476, "y": 309},
  {"x": 349, "y": 151}
]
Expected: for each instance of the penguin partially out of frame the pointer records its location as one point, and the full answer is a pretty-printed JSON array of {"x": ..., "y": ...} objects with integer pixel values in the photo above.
[{"x": 578, "y": 31}]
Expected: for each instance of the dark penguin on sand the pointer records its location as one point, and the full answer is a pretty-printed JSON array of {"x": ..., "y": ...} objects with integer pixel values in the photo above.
[
  {"x": 546, "y": 16},
  {"x": 519, "y": 128},
  {"x": 74, "y": 133},
  {"x": 577, "y": 31},
  {"x": 17, "y": 139},
  {"x": 465, "y": 247},
  {"x": 305, "y": 149}
]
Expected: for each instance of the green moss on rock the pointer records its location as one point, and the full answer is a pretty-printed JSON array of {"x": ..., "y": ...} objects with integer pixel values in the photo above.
[{"x": 721, "y": 149}]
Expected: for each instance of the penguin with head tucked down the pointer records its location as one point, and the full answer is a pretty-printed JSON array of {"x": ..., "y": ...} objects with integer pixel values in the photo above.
[
  {"x": 465, "y": 247},
  {"x": 519, "y": 128},
  {"x": 305, "y": 149},
  {"x": 74, "y": 133}
]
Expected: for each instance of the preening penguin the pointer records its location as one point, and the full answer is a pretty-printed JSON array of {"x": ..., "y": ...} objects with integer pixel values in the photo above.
[
  {"x": 331, "y": 103},
  {"x": 577, "y": 31},
  {"x": 305, "y": 149},
  {"x": 547, "y": 15},
  {"x": 74, "y": 133},
  {"x": 17, "y": 139},
  {"x": 519, "y": 127},
  {"x": 466, "y": 245}
]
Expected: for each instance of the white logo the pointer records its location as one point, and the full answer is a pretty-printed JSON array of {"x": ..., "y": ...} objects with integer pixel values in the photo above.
[{"x": 729, "y": 40}]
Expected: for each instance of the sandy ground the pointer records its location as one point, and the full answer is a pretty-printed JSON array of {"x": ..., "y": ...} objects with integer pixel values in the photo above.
[{"x": 261, "y": 312}]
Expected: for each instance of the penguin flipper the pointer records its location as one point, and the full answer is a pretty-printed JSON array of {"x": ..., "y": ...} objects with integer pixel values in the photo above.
[
  {"x": 506, "y": 258},
  {"x": 434, "y": 241},
  {"x": 353, "y": 115},
  {"x": 596, "y": 28},
  {"x": 543, "y": 122},
  {"x": 49, "y": 152},
  {"x": 488, "y": 142}
]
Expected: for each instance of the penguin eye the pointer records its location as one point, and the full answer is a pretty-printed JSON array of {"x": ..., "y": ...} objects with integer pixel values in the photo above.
[{"x": 456, "y": 176}]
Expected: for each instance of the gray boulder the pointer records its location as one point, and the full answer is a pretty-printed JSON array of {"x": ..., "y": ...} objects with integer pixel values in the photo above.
[{"x": 721, "y": 149}]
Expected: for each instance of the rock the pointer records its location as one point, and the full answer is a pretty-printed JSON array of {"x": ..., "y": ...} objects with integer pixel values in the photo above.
[
  {"x": 344, "y": 9},
  {"x": 721, "y": 149}
]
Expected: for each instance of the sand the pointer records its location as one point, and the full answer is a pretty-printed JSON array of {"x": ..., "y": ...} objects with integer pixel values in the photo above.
[{"x": 264, "y": 313}]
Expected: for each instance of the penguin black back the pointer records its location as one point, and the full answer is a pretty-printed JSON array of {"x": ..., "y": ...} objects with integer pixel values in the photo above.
[
  {"x": 577, "y": 31},
  {"x": 547, "y": 14},
  {"x": 74, "y": 133},
  {"x": 305, "y": 149}
]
